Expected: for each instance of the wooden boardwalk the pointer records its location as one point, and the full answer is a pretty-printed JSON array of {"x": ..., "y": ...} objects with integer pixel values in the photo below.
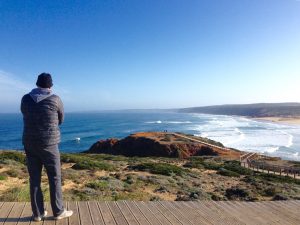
[{"x": 161, "y": 213}]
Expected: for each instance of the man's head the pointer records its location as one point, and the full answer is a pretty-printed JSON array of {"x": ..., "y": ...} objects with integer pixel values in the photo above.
[{"x": 44, "y": 80}]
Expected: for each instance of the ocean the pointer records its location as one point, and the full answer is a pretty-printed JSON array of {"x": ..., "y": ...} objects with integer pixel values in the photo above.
[{"x": 81, "y": 130}]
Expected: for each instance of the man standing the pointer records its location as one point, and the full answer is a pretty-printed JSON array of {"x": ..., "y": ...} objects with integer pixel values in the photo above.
[{"x": 42, "y": 114}]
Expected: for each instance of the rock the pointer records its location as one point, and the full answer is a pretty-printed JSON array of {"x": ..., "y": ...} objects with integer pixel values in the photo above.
[{"x": 154, "y": 144}]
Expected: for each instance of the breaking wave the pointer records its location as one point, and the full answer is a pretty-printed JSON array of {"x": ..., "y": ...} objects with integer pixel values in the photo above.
[{"x": 169, "y": 122}]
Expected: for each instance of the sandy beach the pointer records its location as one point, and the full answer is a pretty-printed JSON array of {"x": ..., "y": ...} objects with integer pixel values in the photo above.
[{"x": 281, "y": 120}]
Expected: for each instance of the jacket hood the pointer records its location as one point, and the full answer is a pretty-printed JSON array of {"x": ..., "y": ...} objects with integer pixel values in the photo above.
[{"x": 39, "y": 94}]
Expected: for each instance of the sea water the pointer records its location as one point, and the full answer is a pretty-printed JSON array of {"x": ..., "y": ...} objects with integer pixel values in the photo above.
[{"x": 81, "y": 130}]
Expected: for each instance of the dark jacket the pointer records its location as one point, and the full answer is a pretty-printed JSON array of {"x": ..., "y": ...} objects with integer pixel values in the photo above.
[{"x": 42, "y": 113}]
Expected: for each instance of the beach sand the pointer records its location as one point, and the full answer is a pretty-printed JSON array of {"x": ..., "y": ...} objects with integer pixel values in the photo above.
[{"x": 281, "y": 120}]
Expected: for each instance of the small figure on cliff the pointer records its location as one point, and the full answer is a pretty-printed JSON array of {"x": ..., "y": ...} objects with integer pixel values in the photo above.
[{"x": 42, "y": 114}]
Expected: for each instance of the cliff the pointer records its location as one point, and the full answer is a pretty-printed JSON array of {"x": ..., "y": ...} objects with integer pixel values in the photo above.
[{"x": 161, "y": 144}]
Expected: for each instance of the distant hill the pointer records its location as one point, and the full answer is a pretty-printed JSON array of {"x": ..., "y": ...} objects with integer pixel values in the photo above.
[{"x": 252, "y": 110}]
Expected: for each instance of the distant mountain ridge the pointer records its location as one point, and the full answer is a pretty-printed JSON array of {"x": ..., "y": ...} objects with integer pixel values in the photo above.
[{"x": 289, "y": 109}]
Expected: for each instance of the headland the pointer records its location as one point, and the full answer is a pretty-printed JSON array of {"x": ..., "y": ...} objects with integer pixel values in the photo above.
[{"x": 191, "y": 171}]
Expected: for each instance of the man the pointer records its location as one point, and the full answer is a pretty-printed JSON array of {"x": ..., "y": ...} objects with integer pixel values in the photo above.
[{"x": 42, "y": 113}]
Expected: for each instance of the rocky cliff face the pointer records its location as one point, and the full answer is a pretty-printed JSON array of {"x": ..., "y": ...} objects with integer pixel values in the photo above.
[{"x": 153, "y": 144}]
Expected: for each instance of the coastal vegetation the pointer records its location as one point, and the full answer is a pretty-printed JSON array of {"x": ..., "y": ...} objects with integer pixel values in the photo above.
[{"x": 115, "y": 177}]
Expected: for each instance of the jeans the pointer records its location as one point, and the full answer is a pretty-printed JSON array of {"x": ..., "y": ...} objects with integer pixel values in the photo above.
[{"x": 49, "y": 157}]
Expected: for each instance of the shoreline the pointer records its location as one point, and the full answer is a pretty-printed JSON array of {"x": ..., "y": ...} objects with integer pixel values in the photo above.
[{"x": 280, "y": 120}]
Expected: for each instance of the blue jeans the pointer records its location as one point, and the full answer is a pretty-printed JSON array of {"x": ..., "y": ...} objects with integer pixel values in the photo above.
[{"x": 49, "y": 157}]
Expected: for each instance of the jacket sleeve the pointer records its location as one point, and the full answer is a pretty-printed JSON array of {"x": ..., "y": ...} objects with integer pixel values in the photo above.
[
  {"x": 22, "y": 105},
  {"x": 60, "y": 112}
]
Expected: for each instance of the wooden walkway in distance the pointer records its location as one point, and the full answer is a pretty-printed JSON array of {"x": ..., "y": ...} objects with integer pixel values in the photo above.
[{"x": 161, "y": 212}]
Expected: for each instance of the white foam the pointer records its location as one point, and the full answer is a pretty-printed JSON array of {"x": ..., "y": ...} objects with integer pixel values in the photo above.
[
  {"x": 290, "y": 138},
  {"x": 272, "y": 149},
  {"x": 158, "y": 121},
  {"x": 178, "y": 122},
  {"x": 290, "y": 142},
  {"x": 170, "y": 122}
]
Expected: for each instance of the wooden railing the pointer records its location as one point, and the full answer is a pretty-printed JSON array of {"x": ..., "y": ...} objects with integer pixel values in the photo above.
[{"x": 248, "y": 161}]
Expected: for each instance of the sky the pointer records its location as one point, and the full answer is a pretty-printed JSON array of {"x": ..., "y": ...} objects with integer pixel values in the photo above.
[{"x": 145, "y": 54}]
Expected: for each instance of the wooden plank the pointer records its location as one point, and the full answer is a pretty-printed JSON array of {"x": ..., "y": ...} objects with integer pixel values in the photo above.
[
  {"x": 162, "y": 219},
  {"x": 191, "y": 213},
  {"x": 147, "y": 213},
  {"x": 224, "y": 218},
  {"x": 210, "y": 215},
  {"x": 116, "y": 213},
  {"x": 84, "y": 213},
  {"x": 213, "y": 215},
  {"x": 5, "y": 210},
  {"x": 247, "y": 212},
  {"x": 206, "y": 218},
  {"x": 49, "y": 219},
  {"x": 282, "y": 212},
  {"x": 63, "y": 221},
  {"x": 243, "y": 213},
  {"x": 106, "y": 213},
  {"x": 95, "y": 213},
  {"x": 274, "y": 210},
  {"x": 177, "y": 213},
  {"x": 229, "y": 211},
  {"x": 127, "y": 214},
  {"x": 74, "y": 219},
  {"x": 287, "y": 206},
  {"x": 166, "y": 213},
  {"x": 267, "y": 214},
  {"x": 15, "y": 213},
  {"x": 1, "y": 203},
  {"x": 137, "y": 213},
  {"x": 294, "y": 203},
  {"x": 26, "y": 216}
]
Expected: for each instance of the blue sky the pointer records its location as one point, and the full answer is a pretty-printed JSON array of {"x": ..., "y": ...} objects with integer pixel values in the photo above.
[{"x": 151, "y": 54}]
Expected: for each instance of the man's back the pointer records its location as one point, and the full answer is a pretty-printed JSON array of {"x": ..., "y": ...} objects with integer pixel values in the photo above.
[{"x": 42, "y": 113}]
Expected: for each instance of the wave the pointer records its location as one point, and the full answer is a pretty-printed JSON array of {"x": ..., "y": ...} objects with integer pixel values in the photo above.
[
  {"x": 234, "y": 140},
  {"x": 169, "y": 122},
  {"x": 158, "y": 121},
  {"x": 290, "y": 139},
  {"x": 272, "y": 149}
]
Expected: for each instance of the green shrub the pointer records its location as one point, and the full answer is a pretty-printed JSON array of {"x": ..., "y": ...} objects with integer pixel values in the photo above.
[
  {"x": 106, "y": 157},
  {"x": 21, "y": 194},
  {"x": 72, "y": 158},
  {"x": 271, "y": 191},
  {"x": 236, "y": 193},
  {"x": 279, "y": 197},
  {"x": 237, "y": 168},
  {"x": 228, "y": 173},
  {"x": 12, "y": 155},
  {"x": 159, "y": 168},
  {"x": 203, "y": 162},
  {"x": 12, "y": 173},
  {"x": 277, "y": 179},
  {"x": 211, "y": 166},
  {"x": 91, "y": 165},
  {"x": 3, "y": 177},
  {"x": 98, "y": 185}
]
